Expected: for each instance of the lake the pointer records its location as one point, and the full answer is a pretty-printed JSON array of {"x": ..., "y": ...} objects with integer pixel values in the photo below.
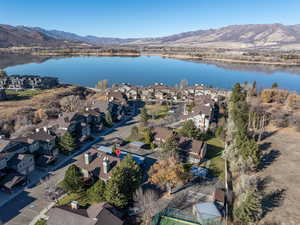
[{"x": 146, "y": 70}]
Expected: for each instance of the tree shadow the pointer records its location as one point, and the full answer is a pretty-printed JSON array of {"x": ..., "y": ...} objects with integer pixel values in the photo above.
[
  {"x": 273, "y": 200},
  {"x": 265, "y": 146},
  {"x": 264, "y": 182},
  {"x": 266, "y": 134},
  {"x": 268, "y": 159},
  {"x": 213, "y": 151}
]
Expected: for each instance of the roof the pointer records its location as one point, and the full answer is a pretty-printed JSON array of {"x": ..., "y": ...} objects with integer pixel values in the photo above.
[
  {"x": 40, "y": 135},
  {"x": 11, "y": 179},
  {"x": 219, "y": 195},
  {"x": 162, "y": 132},
  {"x": 137, "y": 144},
  {"x": 96, "y": 164},
  {"x": 3, "y": 143},
  {"x": 96, "y": 214},
  {"x": 194, "y": 146},
  {"x": 207, "y": 211}
]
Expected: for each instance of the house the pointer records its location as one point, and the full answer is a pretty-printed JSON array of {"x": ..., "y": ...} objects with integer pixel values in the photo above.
[
  {"x": 10, "y": 180},
  {"x": 207, "y": 213},
  {"x": 22, "y": 163},
  {"x": 73, "y": 214},
  {"x": 200, "y": 114},
  {"x": 161, "y": 134},
  {"x": 95, "y": 164},
  {"x": 219, "y": 196},
  {"x": 193, "y": 150}
]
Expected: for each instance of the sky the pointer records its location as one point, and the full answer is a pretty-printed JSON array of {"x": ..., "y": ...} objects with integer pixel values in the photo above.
[{"x": 145, "y": 18}]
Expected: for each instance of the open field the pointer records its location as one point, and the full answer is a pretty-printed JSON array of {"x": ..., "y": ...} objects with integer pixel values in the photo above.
[{"x": 281, "y": 170}]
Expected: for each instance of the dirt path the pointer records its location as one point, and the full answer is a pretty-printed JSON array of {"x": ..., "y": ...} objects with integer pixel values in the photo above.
[{"x": 283, "y": 171}]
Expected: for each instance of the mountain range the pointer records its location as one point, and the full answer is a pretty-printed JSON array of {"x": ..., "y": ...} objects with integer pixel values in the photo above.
[{"x": 250, "y": 36}]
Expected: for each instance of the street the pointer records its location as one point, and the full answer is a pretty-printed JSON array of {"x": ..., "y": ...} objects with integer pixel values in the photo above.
[{"x": 29, "y": 203}]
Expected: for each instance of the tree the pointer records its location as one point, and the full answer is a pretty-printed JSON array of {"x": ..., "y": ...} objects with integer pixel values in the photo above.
[
  {"x": 67, "y": 142},
  {"x": 148, "y": 136},
  {"x": 108, "y": 119},
  {"x": 168, "y": 173},
  {"x": 135, "y": 134},
  {"x": 146, "y": 201},
  {"x": 170, "y": 147},
  {"x": 144, "y": 116},
  {"x": 248, "y": 209},
  {"x": 96, "y": 192},
  {"x": 73, "y": 179},
  {"x": 125, "y": 179},
  {"x": 183, "y": 84},
  {"x": 275, "y": 85},
  {"x": 190, "y": 130}
]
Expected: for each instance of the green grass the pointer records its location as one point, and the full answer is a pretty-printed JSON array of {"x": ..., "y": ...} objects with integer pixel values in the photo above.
[
  {"x": 80, "y": 197},
  {"x": 22, "y": 94},
  {"x": 215, "y": 147},
  {"x": 171, "y": 221},
  {"x": 41, "y": 222},
  {"x": 158, "y": 111}
]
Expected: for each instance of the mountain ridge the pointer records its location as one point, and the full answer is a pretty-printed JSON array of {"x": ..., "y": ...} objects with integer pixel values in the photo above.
[{"x": 249, "y": 36}]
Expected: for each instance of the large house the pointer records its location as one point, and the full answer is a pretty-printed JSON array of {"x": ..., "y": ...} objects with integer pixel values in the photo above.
[
  {"x": 73, "y": 214},
  {"x": 193, "y": 151},
  {"x": 98, "y": 162}
]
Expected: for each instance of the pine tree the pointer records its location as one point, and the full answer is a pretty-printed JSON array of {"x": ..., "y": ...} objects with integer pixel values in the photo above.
[
  {"x": 148, "y": 136},
  {"x": 96, "y": 192},
  {"x": 73, "y": 179},
  {"x": 170, "y": 147},
  {"x": 144, "y": 116},
  {"x": 190, "y": 130},
  {"x": 67, "y": 142},
  {"x": 108, "y": 119},
  {"x": 126, "y": 178}
]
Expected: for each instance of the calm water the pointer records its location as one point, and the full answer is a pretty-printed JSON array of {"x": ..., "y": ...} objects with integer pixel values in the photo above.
[{"x": 147, "y": 70}]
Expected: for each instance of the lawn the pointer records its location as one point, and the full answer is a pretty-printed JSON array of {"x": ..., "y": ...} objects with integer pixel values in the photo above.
[
  {"x": 215, "y": 147},
  {"x": 22, "y": 94},
  {"x": 158, "y": 111},
  {"x": 80, "y": 197},
  {"x": 41, "y": 222}
]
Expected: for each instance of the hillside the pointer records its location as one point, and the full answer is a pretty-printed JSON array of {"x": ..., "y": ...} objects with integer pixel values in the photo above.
[
  {"x": 235, "y": 36},
  {"x": 251, "y": 36},
  {"x": 19, "y": 36}
]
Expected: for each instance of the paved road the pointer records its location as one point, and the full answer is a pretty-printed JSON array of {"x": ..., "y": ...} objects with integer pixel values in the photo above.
[{"x": 26, "y": 206}]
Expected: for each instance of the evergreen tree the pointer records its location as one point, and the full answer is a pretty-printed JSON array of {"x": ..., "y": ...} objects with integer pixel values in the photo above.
[
  {"x": 190, "y": 130},
  {"x": 108, "y": 119},
  {"x": 148, "y": 136},
  {"x": 73, "y": 179},
  {"x": 170, "y": 147},
  {"x": 144, "y": 116},
  {"x": 274, "y": 85},
  {"x": 96, "y": 192},
  {"x": 126, "y": 178},
  {"x": 67, "y": 142},
  {"x": 248, "y": 209}
]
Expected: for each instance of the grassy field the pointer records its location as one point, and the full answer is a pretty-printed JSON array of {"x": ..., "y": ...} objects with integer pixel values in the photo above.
[
  {"x": 158, "y": 111},
  {"x": 23, "y": 94},
  {"x": 215, "y": 147}
]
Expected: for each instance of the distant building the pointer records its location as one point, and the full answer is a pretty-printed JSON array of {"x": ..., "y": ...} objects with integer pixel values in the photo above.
[{"x": 27, "y": 82}]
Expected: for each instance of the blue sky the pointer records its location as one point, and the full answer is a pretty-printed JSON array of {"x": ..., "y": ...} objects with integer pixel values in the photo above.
[{"x": 145, "y": 18}]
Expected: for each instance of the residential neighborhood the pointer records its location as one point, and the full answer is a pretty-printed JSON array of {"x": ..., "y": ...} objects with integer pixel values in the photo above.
[{"x": 42, "y": 149}]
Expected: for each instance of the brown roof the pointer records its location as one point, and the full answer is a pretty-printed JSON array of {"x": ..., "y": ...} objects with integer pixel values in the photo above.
[
  {"x": 97, "y": 214},
  {"x": 194, "y": 147},
  {"x": 96, "y": 165},
  {"x": 162, "y": 132},
  {"x": 219, "y": 195}
]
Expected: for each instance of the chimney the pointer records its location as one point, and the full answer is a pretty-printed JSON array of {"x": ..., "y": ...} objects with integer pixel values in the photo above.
[
  {"x": 45, "y": 129},
  {"x": 87, "y": 158},
  {"x": 74, "y": 205},
  {"x": 105, "y": 165},
  {"x": 37, "y": 130}
]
